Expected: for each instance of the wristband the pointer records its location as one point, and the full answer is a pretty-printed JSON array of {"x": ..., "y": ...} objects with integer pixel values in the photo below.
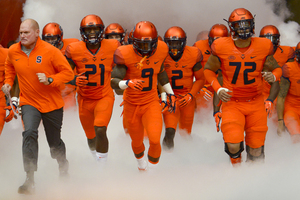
[
  {"x": 280, "y": 119},
  {"x": 123, "y": 85}
]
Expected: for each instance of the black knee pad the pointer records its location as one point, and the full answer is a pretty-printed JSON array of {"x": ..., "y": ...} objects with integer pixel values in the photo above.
[
  {"x": 255, "y": 158},
  {"x": 237, "y": 154}
]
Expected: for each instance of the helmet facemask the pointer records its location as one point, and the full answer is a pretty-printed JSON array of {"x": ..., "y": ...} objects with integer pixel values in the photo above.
[
  {"x": 145, "y": 47},
  {"x": 92, "y": 34},
  {"x": 242, "y": 29},
  {"x": 275, "y": 39},
  {"x": 176, "y": 47},
  {"x": 54, "y": 40}
]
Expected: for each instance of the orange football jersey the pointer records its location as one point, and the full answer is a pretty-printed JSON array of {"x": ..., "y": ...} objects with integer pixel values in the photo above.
[
  {"x": 97, "y": 67},
  {"x": 291, "y": 71},
  {"x": 242, "y": 71},
  {"x": 181, "y": 73},
  {"x": 282, "y": 55},
  {"x": 205, "y": 49},
  {"x": 125, "y": 55},
  {"x": 66, "y": 42}
]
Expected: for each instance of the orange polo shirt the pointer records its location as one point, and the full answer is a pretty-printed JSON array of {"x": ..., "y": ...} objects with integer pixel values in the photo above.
[{"x": 44, "y": 58}]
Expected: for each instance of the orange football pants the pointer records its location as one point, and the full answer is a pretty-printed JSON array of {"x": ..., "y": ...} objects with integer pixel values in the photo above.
[
  {"x": 140, "y": 117},
  {"x": 95, "y": 112},
  {"x": 291, "y": 117},
  {"x": 183, "y": 115},
  {"x": 245, "y": 115}
]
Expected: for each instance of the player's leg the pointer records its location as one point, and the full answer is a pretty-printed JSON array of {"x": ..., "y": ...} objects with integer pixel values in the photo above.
[
  {"x": 292, "y": 122},
  {"x": 132, "y": 119},
  {"x": 233, "y": 122},
  {"x": 256, "y": 129},
  {"x": 86, "y": 116},
  {"x": 187, "y": 118},
  {"x": 171, "y": 121},
  {"x": 152, "y": 120},
  {"x": 103, "y": 112}
]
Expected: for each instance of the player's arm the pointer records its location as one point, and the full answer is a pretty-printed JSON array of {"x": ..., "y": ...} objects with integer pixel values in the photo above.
[
  {"x": 272, "y": 73},
  {"x": 284, "y": 88},
  {"x": 163, "y": 80},
  {"x": 217, "y": 103},
  {"x": 117, "y": 75},
  {"x": 212, "y": 65},
  {"x": 200, "y": 80}
]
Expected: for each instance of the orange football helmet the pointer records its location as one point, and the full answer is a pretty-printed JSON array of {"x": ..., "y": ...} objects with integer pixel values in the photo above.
[
  {"x": 144, "y": 38},
  {"x": 272, "y": 33},
  {"x": 297, "y": 52},
  {"x": 130, "y": 37},
  {"x": 89, "y": 24},
  {"x": 53, "y": 34},
  {"x": 175, "y": 38},
  {"x": 216, "y": 31},
  {"x": 241, "y": 24},
  {"x": 115, "y": 29}
]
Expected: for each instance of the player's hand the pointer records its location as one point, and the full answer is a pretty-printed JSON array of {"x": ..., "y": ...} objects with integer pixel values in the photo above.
[
  {"x": 185, "y": 100},
  {"x": 207, "y": 95},
  {"x": 280, "y": 128},
  {"x": 6, "y": 89},
  {"x": 269, "y": 107},
  {"x": 135, "y": 84},
  {"x": 81, "y": 80},
  {"x": 9, "y": 110},
  {"x": 164, "y": 102},
  {"x": 269, "y": 77},
  {"x": 223, "y": 94},
  {"x": 218, "y": 117},
  {"x": 172, "y": 102}
]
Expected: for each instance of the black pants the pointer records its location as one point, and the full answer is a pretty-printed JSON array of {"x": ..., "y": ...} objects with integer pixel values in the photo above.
[{"x": 52, "y": 122}]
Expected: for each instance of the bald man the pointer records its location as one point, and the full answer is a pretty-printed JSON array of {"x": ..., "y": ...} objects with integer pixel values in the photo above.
[
  {"x": 41, "y": 68},
  {"x": 202, "y": 35}
]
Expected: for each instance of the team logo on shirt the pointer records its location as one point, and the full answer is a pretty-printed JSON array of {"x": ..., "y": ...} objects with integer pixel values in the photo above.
[
  {"x": 147, "y": 62},
  {"x": 84, "y": 60},
  {"x": 242, "y": 56},
  {"x": 231, "y": 58},
  {"x": 39, "y": 59}
]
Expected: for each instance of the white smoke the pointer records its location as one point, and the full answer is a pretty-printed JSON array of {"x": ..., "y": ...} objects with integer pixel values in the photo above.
[
  {"x": 193, "y": 16},
  {"x": 198, "y": 168}
]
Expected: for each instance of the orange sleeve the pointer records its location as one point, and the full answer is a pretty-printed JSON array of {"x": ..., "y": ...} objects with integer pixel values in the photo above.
[
  {"x": 291, "y": 53},
  {"x": 211, "y": 78},
  {"x": 199, "y": 83}
]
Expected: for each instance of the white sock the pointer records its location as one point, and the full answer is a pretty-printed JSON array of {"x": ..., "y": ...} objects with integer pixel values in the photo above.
[
  {"x": 101, "y": 156},
  {"x": 142, "y": 163}
]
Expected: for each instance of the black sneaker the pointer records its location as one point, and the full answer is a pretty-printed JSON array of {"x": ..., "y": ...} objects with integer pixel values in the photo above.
[{"x": 27, "y": 187}]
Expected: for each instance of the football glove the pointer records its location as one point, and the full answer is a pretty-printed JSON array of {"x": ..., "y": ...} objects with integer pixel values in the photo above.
[
  {"x": 207, "y": 95},
  {"x": 269, "y": 107},
  {"x": 135, "y": 84},
  {"x": 218, "y": 117},
  {"x": 11, "y": 110},
  {"x": 172, "y": 102},
  {"x": 185, "y": 100},
  {"x": 164, "y": 102}
]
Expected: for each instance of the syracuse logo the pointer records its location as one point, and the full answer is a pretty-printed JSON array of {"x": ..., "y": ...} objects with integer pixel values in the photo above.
[{"x": 39, "y": 59}]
